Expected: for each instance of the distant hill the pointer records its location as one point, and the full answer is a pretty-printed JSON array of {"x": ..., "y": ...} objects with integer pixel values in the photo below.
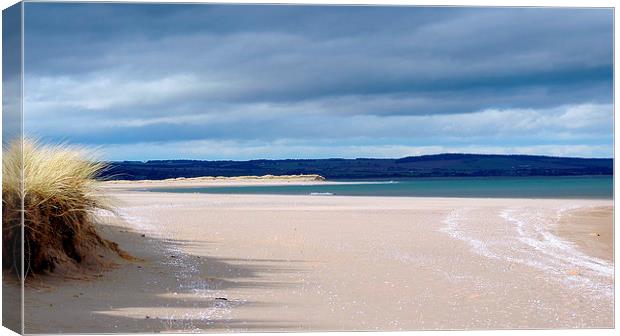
[{"x": 441, "y": 165}]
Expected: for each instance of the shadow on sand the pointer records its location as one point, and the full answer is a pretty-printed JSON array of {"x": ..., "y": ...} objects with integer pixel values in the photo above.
[{"x": 167, "y": 291}]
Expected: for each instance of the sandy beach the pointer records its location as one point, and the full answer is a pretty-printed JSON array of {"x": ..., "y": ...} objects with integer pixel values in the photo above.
[
  {"x": 208, "y": 167},
  {"x": 298, "y": 263},
  {"x": 219, "y": 181}
]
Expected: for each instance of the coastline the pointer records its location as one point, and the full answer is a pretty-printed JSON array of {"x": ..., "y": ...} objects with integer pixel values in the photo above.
[
  {"x": 301, "y": 263},
  {"x": 484, "y": 188},
  {"x": 217, "y": 181}
]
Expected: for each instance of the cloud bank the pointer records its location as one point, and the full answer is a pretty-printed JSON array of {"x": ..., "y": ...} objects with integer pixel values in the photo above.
[{"x": 243, "y": 82}]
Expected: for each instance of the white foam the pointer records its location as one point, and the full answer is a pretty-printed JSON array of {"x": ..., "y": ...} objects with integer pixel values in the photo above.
[
  {"x": 453, "y": 229},
  {"x": 366, "y": 182},
  {"x": 534, "y": 244},
  {"x": 535, "y": 231}
]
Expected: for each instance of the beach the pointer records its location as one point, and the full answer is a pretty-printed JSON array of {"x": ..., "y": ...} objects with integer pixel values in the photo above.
[
  {"x": 315, "y": 263},
  {"x": 214, "y": 167}
]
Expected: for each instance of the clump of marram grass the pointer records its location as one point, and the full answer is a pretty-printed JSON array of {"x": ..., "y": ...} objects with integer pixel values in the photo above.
[{"x": 57, "y": 186}]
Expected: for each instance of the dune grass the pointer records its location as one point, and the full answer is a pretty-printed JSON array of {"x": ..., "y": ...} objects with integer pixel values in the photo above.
[{"x": 59, "y": 194}]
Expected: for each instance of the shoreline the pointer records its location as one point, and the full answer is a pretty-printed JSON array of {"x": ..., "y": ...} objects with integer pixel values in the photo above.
[
  {"x": 306, "y": 182},
  {"x": 320, "y": 263},
  {"x": 161, "y": 191},
  {"x": 209, "y": 181}
]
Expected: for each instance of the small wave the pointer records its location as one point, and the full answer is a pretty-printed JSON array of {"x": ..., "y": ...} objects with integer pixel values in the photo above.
[
  {"x": 321, "y": 194},
  {"x": 371, "y": 182}
]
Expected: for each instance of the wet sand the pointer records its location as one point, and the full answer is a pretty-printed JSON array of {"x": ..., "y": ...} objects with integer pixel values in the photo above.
[
  {"x": 591, "y": 229},
  {"x": 298, "y": 263}
]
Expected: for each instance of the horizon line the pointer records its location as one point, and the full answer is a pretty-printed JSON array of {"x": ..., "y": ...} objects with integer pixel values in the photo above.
[{"x": 373, "y": 158}]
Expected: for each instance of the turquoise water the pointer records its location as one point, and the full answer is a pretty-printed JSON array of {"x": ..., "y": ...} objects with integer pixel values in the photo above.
[{"x": 599, "y": 187}]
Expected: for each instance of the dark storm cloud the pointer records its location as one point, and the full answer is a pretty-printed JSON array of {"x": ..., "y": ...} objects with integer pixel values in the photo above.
[
  {"x": 11, "y": 74},
  {"x": 146, "y": 73}
]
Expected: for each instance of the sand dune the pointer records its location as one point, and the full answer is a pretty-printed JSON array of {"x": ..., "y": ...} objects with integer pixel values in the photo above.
[{"x": 206, "y": 181}]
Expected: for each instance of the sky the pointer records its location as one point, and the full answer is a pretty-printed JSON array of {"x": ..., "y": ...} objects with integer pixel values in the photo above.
[
  {"x": 239, "y": 82},
  {"x": 11, "y": 75}
]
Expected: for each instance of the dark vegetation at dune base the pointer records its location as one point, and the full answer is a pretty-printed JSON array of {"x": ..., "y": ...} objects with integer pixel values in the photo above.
[{"x": 441, "y": 165}]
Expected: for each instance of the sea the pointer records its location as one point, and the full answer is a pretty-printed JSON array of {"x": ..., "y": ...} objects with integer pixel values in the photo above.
[{"x": 575, "y": 187}]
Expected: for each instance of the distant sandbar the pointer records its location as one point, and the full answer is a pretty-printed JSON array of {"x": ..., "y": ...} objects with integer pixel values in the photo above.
[{"x": 208, "y": 181}]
